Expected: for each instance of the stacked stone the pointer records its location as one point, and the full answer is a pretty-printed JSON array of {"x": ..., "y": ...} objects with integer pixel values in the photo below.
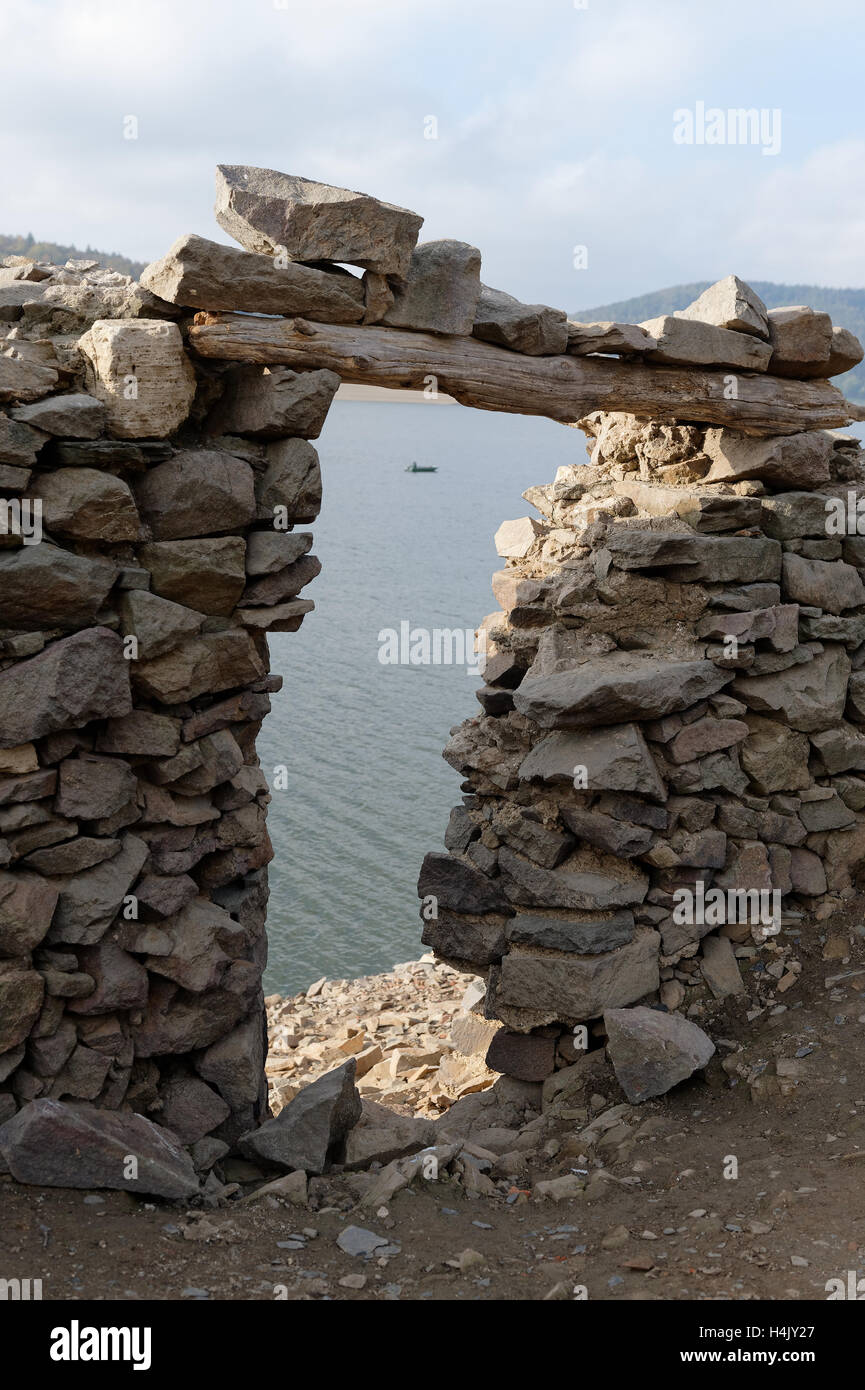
[
  {"x": 172, "y": 465},
  {"x": 134, "y": 676},
  {"x": 674, "y": 697}
]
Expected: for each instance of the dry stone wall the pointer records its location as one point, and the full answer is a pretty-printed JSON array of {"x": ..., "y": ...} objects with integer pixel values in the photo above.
[
  {"x": 673, "y": 694},
  {"x": 668, "y": 766},
  {"x": 152, "y": 536}
]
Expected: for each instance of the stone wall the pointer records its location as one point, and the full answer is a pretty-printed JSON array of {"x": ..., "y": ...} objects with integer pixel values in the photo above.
[
  {"x": 674, "y": 705},
  {"x": 134, "y": 676},
  {"x": 678, "y": 629}
]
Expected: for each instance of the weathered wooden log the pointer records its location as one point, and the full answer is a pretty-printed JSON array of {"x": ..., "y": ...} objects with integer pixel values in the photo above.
[{"x": 493, "y": 378}]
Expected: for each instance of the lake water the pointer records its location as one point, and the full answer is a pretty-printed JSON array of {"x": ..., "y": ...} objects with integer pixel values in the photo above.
[{"x": 368, "y": 791}]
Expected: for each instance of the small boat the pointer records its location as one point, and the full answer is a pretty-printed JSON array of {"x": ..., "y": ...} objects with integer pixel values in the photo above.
[{"x": 421, "y": 468}]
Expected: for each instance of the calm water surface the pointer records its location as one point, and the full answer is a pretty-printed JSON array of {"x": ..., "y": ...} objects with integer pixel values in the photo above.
[{"x": 369, "y": 792}]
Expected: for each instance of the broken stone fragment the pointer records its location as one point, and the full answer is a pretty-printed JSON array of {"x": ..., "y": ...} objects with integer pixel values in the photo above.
[
  {"x": 514, "y": 539},
  {"x": 526, "y": 1056},
  {"x": 268, "y": 552},
  {"x": 205, "y": 574},
  {"x": 140, "y": 372},
  {"x": 808, "y": 698},
  {"x": 570, "y": 988},
  {"x": 459, "y": 886},
  {"x": 52, "y": 1144},
  {"x": 190, "y": 1109},
  {"x": 275, "y": 589},
  {"x": 75, "y": 416},
  {"x": 17, "y": 762},
  {"x": 176, "y": 1021},
  {"x": 801, "y": 342},
  {"x": 199, "y": 492},
  {"x": 291, "y": 483},
  {"x": 308, "y": 1132},
  {"x": 382, "y": 1135},
  {"x": 574, "y": 885},
  {"x": 683, "y": 342},
  {"x": 92, "y": 787},
  {"x": 218, "y": 758},
  {"x": 578, "y": 933},
  {"x": 27, "y": 905},
  {"x": 622, "y": 339},
  {"x": 616, "y": 758},
  {"x": 774, "y": 757},
  {"x": 140, "y": 732},
  {"x": 652, "y": 1052},
  {"x": 847, "y": 352},
  {"x": 203, "y": 274},
  {"x": 269, "y": 212},
  {"x": 281, "y": 617},
  {"x": 211, "y": 662},
  {"x": 606, "y": 832},
  {"x": 89, "y": 901},
  {"x": 42, "y": 586},
  {"x": 783, "y": 461},
  {"x": 778, "y": 625},
  {"x": 196, "y": 946},
  {"x": 730, "y": 303},
  {"x": 475, "y": 937},
  {"x": 692, "y": 558},
  {"x": 22, "y": 991},
  {"x": 533, "y": 329},
  {"x": 791, "y": 515},
  {"x": 269, "y": 402},
  {"x": 119, "y": 981},
  {"x": 828, "y": 584},
  {"x": 719, "y": 967},
  {"x": 703, "y": 509},
  {"x": 21, "y": 380},
  {"x": 72, "y": 856},
  {"x": 75, "y": 680},
  {"x": 157, "y": 623},
  {"x": 86, "y": 504},
  {"x": 441, "y": 291}
]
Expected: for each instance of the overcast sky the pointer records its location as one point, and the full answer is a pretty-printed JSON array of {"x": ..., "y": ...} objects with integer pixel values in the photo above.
[{"x": 555, "y": 128}]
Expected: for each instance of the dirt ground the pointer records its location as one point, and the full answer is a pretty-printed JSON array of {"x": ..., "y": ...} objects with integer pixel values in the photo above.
[{"x": 669, "y": 1225}]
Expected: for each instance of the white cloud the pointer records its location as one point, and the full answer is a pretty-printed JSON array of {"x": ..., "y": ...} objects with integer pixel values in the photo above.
[{"x": 554, "y": 127}]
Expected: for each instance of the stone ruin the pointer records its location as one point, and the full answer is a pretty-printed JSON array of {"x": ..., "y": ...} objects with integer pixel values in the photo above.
[{"x": 674, "y": 691}]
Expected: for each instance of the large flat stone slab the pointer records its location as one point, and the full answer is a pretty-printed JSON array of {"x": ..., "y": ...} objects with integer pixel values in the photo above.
[
  {"x": 576, "y": 988},
  {"x": 684, "y": 342},
  {"x": 689, "y": 557},
  {"x": 615, "y": 759},
  {"x": 202, "y": 274},
  {"x": 266, "y": 211},
  {"x": 616, "y": 688},
  {"x": 52, "y": 1144},
  {"x": 784, "y": 461},
  {"x": 570, "y": 885}
]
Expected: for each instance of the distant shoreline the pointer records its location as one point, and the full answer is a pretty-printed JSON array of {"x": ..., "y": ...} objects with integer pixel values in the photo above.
[{"x": 351, "y": 392}]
